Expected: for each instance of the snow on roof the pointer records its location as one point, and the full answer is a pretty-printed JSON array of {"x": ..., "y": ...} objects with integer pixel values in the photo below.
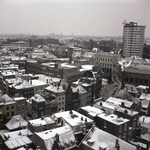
[
  {"x": 146, "y": 119},
  {"x": 118, "y": 101},
  {"x": 110, "y": 108},
  {"x": 67, "y": 66},
  {"x": 21, "y": 84},
  {"x": 19, "y": 98},
  {"x": 48, "y": 137},
  {"x": 16, "y": 122},
  {"x": 143, "y": 87},
  {"x": 17, "y": 138},
  {"x": 37, "y": 83},
  {"x": 44, "y": 78},
  {"x": 113, "y": 118},
  {"x": 87, "y": 67},
  {"x": 8, "y": 73},
  {"x": 145, "y": 96},
  {"x": 131, "y": 88},
  {"x": 38, "y": 98},
  {"x": 102, "y": 139},
  {"x": 7, "y": 99},
  {"x": 145, "y": 103},
  {"x": 41, "y": 121},
  {"x": 80, "y": 89},
  {"x": 73, "y": 119},
  {"x": 55, "y": 89},
  {"x": 91, "y": 109}
]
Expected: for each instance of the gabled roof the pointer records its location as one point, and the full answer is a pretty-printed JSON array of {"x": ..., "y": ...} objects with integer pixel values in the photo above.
[{"x": 16, "y": 122}]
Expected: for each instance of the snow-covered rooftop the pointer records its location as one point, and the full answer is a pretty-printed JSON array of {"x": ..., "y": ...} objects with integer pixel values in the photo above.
[
  {"x": 74, "y": 119},
  {"x": 46, "y": 138},
  {"x": 118, "y": 101},
  {"x": 145, "y": 96},
  {"x": 113, "y": 118},
  {"x": 41, "y": 121},
  {"x": 55, "y": 89},
  {"x": 17, "y": 139},
  {"x": 102, "y": 139},
  {"x": 92, "y": 110},
  {"x": 16, "y": 122}
]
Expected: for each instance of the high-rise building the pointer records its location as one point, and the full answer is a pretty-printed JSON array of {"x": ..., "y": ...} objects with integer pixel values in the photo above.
[{"x": 133, "y": 37}]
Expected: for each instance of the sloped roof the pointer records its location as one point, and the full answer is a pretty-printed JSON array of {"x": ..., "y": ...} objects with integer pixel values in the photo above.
[
  {"x": 46, "y": 139},
  {"x": 6, "y": 99},
  {"x": 16, "y": 122},
  {"x": 80, "y": 89},
  {"x": 103, "y": 139},
  {"x": 38, "y": 98}
]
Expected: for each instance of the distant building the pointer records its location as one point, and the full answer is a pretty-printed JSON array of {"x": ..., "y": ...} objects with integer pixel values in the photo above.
[
  {"x": 133, "y": 38},
  {"x": 134, "y": 70},
  {"x": 20, "y": 106},
  {"x": 108, "y": 62}
]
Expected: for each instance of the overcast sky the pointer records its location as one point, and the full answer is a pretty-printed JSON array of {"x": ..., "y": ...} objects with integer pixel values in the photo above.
[{"x": 78, "y": 17}]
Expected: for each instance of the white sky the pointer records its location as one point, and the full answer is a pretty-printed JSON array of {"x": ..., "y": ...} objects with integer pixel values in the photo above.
[{"x": 80, "y": 17}]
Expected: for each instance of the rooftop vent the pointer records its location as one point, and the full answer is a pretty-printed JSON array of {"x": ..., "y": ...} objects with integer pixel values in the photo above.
[
  {"x": 90, "y": 142},
  {"x": 102, "y": 147}
]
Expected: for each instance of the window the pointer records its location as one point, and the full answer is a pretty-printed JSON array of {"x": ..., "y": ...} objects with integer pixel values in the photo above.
[
  {"x": 23, "y": 103},
  {"x": 59, "y": 104},
  {"x": 120, "y": 129},
  {"x": 62, "y": 103},
  {"x": 12, "y": 113},
  {"x": 22, "y": 107},
  {"x": 125, "y": 127},
  {"x": 8, "y": 114},
  {"x": 7, "y": 108},
  {"x": 59, "y": 99},
  {"x": 105, "y": 124},
  {"x": 18, "y": 108},
  {"x": 62, "y": 98},
  {"x": 0, "y": 116},
  {"x": 12, "y": 107}
]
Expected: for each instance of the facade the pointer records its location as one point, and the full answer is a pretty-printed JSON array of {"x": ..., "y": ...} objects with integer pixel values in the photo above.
[
  {"x": 20, "y": 106},
  {"x": 108, "y": 62},
  {"x": 21, "y": 88},
  {"x": 59, "y": 70},
  {"x": 7, "y": 109},
  {"x": 59, "y": 94},
  {"x": 133, "y": 38},
  {"x": 113, "y": 124},
  {"x": 134, "y": 70},
  {"x": 38, "y": 106}
]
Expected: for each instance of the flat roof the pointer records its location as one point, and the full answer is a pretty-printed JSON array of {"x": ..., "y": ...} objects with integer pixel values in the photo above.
[{"x": 73, "y": 119}]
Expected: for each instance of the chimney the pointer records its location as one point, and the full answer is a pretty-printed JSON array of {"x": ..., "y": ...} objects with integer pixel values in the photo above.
[
  {"x": 117, "y": 146},
  {"x": 143, "y": 119},
  {"x": 122, "y": 104}
]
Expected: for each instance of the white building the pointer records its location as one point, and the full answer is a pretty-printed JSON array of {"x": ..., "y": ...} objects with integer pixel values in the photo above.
[{"x": 133, "y": 37}]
